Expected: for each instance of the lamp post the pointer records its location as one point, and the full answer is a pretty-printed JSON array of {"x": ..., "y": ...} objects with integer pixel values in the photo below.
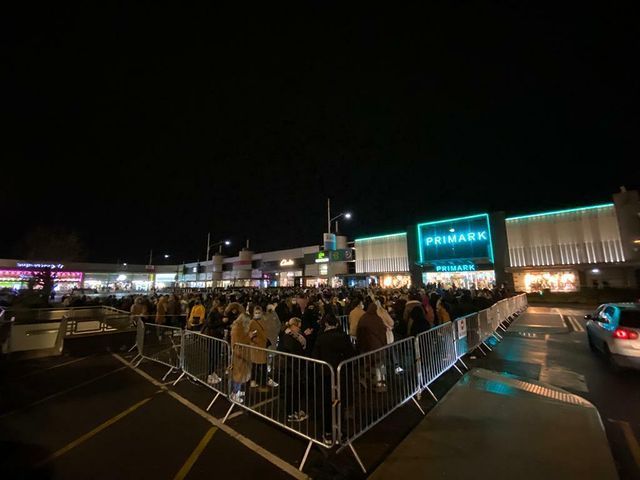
[
  {"x": 330, "y": 219},
  {"x": 215, "y": 244}
]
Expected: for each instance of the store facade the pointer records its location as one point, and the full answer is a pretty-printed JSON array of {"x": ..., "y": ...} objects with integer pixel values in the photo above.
[
  {"x": 381, "y": 260},
  {"x": 567, "y": 250},
  {"x": 463, "y": 252}
]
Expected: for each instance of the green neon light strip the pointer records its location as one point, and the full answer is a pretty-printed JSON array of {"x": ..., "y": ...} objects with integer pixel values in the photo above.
[
  {"x": 380, "y": 236},
  {"x": 449, "y": 220},
  {"x": 557, "y": 212},
  {"x": 468, "y": 217}
]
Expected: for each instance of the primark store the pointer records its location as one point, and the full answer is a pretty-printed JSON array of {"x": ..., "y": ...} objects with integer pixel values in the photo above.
[{"x": 595, "y": 246}]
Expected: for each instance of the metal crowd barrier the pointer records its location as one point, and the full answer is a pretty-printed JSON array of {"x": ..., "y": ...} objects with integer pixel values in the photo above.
[
  {"x": 344, "y": 323},
  {"x": 159, "y": 343},
  {"x": 436, "y": 354},
  {"x": 371, "y": 386},
  {"x": 207, "y": 360},
  {"x": 296, "y": 393}
]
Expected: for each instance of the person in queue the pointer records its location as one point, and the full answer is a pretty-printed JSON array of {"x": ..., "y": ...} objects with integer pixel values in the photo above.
[
  {"x": 139, "y": 310},
  {"x": 293, "y": 342},
  {"x": 372, "y": 335},
  {"x": 241, "y": 360},
  {"x": 332, "y": 346},
  {"x": 196, "y": 316},
  {"x": 161, "y": 311},
  {"x": 259, "y": 338},
  {"x": 355, "y": 314}
]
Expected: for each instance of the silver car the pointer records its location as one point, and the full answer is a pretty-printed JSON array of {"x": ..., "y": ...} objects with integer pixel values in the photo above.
[{"x": 614, "y": 330}]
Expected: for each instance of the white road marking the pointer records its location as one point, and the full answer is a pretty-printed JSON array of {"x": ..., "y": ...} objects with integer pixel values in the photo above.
[{"x": 254, "y": 447}]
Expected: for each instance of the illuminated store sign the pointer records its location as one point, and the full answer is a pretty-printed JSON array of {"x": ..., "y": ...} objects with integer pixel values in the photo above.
[
  {"x": 327, "y": 256},
  {"x": 454, "y": 239},
  {"x": 456, "y": 268},
  {"x": 287, "y": 262},
  {"x": 53, "y": 266}
]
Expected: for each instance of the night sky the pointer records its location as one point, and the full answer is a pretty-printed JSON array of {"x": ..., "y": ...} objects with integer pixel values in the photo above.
[{"x": 146, "y": 127}]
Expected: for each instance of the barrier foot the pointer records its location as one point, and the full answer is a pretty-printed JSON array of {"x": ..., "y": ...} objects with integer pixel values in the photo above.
[
  {"x": 306, "y": 454},
  {"x": 463, "y": 364},
  {"x": 179, "y": 378},
  {"x": 228, "y": 412},
  {"x": 418, "y": 405},
  {"x": 167, "y": 374},
  {"x": 213, "y": 401},
  {"x": 353, "y": 450},
  {"x": 456, "y": 367},
  {"x": 134, "y": 359},
  {"x": 503, "y": 329},
  {"x": 132, "y": 348},
  {"x": 481, "y": 350},
  {"x": 488, "y": 347},
  {"x": 138, "y": 362},
  {"x": 432, "y": 394},
  {"x": 497, "y": 336}
]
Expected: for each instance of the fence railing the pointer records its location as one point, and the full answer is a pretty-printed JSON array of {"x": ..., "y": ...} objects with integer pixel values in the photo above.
[
  {"x": 161, "y": 344},
  {"x": 297, "y": 393},
  {"x": 304, "y": 395},
  {"x": 372, "y": 385},
  {"x": 207, "y": 360}
]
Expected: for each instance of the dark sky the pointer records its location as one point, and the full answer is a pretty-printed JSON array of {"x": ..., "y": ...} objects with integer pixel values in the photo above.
[{"x": 146, "y": 127}]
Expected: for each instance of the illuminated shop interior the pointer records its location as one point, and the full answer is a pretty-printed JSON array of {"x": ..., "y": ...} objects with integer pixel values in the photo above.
[
  {"x": 478, "y": 280},
  {"x": 555, "y": 281}
]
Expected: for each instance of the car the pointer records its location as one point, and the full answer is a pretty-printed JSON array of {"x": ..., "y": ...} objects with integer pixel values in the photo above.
[{"x": 614, "y": 330}]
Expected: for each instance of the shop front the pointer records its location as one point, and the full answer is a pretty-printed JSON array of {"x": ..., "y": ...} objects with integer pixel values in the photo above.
[
  {"x": 561, "y": 280},
  {"x": 19, "y": 279},
  {"x": 382, "y": 260},
  {"x": 286, "y": 272},
  {"x": 456, "y": 252}
]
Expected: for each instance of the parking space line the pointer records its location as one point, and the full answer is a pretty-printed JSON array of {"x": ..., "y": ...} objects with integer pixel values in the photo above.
[
  {"x": 75, "y": 360},
  {"x": 250, "y": 444},
  {"x": 93, "y": 432},
  {"x": 62, "y": 392},
  {"x": 632, "y": 441},
  {"x": 193, "y": 458}
]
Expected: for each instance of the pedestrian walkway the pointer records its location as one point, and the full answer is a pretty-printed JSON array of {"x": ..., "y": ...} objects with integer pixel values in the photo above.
[
  {"x": 538, "y": 320},
  {"x": 504, "y": 427}
]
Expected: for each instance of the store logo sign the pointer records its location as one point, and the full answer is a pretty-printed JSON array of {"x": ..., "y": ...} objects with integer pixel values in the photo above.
[
  {"x": 53, "y": 266},
  {"x": 455, "y": 268},
  {"x": 460, "y": 240},
  {"x": 287, "y": 262},
  {"x": 454, "y": 238}
]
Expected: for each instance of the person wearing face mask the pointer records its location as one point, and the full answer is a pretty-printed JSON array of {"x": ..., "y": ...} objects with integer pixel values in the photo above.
[{"x": 259, "y": 338}]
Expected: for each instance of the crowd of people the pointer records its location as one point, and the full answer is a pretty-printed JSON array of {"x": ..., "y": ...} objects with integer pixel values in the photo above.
[{"x": 331, "y": 325}]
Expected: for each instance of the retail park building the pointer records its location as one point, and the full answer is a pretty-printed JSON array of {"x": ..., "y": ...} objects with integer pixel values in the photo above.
[{"x": 561, "y": 250}]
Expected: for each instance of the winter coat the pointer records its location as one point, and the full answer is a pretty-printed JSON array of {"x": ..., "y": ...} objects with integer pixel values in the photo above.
[
  {"x": 258, "y": 340},
  {"x": 240, "y": 361},
  {"x": 197, "y": 312},
  {"x": 406, "y": 315},
  {"x": 354, "y": 317},
  {"x": 419, "y": 322},
  {"x": 371, "y": 332},
  {"x": 161, "y": 311},
  {"x": 443, "y": 314},
  {"x": 333, "y": 346},
  {"x": 272, "y": 326}
]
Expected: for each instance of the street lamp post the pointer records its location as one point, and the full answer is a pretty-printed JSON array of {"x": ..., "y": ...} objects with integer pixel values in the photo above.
[{"x": 215, "y": 244}]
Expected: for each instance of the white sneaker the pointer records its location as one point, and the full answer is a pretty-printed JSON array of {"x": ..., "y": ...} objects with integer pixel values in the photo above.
[
  {"x": 302, "y": 416},
  {"x": 272, "y": 384},
  {"x": 236, "y": 397},
  {"x": 399, "y": 370},
  {"x": 253, "y": 384},
  {"x": 213, "y": 379}
]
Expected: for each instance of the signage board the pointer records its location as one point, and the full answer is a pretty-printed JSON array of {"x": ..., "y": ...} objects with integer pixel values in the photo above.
[
  {"x": 464, "y": 238},
  {"x": 328, "y": 256}
]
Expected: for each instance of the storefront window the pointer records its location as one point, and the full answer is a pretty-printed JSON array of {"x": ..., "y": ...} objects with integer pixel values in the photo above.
[
  {"x": 395, "y": 281},
  {"x": 553, "y": 281},
  {"x": 478, "y": 280}
]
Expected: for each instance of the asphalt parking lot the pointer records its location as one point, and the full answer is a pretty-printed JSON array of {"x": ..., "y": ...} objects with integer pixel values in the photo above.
[{"x": 95, "y": 416}]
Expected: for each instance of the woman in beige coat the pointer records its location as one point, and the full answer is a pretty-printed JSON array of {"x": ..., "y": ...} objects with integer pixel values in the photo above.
[{"x": 240, "y": 360}]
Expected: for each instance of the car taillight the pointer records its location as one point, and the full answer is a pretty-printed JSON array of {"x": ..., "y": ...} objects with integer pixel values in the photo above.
[{"x": 624, "y": 334}]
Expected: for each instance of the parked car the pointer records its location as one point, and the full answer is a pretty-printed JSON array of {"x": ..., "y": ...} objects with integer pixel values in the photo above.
[{"x": 614, "y": 330}]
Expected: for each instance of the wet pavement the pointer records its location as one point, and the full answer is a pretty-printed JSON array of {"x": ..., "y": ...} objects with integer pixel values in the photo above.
[{"x": 550, "y": 345}]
